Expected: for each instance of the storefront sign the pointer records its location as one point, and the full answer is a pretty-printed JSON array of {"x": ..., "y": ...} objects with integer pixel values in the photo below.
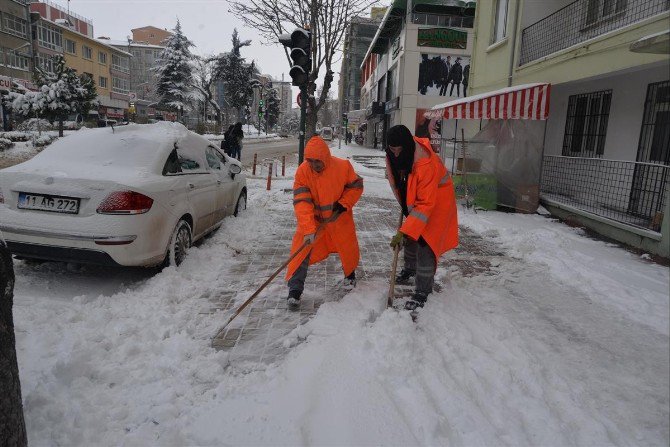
[
  {"x": 393, "y": 104},
  {"x": 442, "y": 38},
  {"x": 6, "y": 83}
]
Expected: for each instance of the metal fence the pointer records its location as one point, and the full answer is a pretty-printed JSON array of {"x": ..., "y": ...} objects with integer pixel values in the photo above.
[
  {"x": 583, "y": 20},
  {"x": 630, "y": 192},
  {"x": 419, "y": 18}
]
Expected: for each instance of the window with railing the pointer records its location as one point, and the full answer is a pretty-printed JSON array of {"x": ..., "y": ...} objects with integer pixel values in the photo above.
[
  {"x": 586, "y": 124},
  {"x": 49, "y": 37},
  {"x": 45, "y": 62},
  {"x": 15, "y": 60},
  {"x": 419, "y": 18},
  {"x": 581, "y": 21},
  {"x": 120, "y": 85},
  {"x": 15, "y": 26},
  {"x": 121, "y": 63}
]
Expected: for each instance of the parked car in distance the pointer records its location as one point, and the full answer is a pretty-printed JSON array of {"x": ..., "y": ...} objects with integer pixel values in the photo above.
[
  {"x": 327, "y": 133},
  {"x": 135, "y": 195}
]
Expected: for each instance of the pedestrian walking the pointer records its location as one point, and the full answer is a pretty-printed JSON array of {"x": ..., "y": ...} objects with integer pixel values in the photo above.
[
  {"x": 325, "y": 190},
  {"x": 236, "y": 137},
  {"x": 423, "y": 187},
  {"x": 466, "y": 80},
  {"x": 226, "y": 143}
]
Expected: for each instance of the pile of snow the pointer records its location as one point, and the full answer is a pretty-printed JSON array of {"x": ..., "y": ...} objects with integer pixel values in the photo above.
[
  {"x": 43, "y": 140},
  {"x": 35, "y": 124},
  {"x": 564, "y": 343},
  {"x": 5, "y": 143},
  {"x": 16, "y": 135}
]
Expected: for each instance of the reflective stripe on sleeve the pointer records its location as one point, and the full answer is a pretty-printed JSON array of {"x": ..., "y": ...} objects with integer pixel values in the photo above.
[
  {"x": 419, "y": 216},
  {"x": 300, "y": 190},
  {"x": 296, "y": 201},
  {"x": 356, "y": 184},
  {"x": 444, "y": 180}
]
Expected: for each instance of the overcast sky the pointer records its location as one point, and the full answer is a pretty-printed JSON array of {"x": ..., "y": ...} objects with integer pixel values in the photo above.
[{"x": 207, "y": 23}]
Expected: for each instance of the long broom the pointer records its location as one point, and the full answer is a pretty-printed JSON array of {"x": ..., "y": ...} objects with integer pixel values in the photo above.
[{"x": 394, "y": 267}]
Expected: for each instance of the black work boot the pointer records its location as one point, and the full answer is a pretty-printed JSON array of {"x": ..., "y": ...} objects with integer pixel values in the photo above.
[
  {"x": 404, "y": 277},
  {"x": 350, "y": 281},
  {"x": 293, "y": 299},
  {"x": 417, "y": 300}
]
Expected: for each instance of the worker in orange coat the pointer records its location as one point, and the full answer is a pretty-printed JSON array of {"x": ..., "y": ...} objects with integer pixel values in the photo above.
[
  {"x": 425, "y": 191},
  {"x": 325, "y": 190}
]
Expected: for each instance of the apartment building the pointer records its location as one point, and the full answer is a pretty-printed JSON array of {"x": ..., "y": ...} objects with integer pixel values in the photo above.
[
  {"x": 606, "y": 157},
  {"x": 359, "y": 35},
  {"x": 15, "y": 51},
  {"x": 151, "y": 35},
  {"x": 418, "y": 58}
]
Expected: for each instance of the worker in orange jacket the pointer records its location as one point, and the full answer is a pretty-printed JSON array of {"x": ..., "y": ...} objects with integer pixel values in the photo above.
[
  {"x": 325, "y": 190},
  {"x": 425, "y": 191}
]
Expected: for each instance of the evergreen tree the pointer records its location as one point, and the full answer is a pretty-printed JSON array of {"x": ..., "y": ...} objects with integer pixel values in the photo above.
[
  {"x": 175, "y": 72},
  {"x": 61, "y": 93},
  {"x": 236, "y": 75},
  {"x": 272, "y": 108}
]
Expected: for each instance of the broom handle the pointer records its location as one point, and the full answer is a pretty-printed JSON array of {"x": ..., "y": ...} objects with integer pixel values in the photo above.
[{"x": 394, "y": 267}]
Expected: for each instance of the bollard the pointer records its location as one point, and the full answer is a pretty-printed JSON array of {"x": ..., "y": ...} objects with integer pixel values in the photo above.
[
  {"x": 253, "y": 170},
  {"x": 269, "y": 176},
  {"x": 283, "y": 165}
]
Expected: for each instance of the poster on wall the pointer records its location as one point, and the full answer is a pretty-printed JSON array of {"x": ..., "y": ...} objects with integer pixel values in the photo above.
[
  {"x": 444, "y": 75},
  {"x": 429, "y": 128}
]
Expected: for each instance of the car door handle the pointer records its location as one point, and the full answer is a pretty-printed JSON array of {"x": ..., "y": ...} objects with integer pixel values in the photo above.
[{"x": 191, "y": 185}]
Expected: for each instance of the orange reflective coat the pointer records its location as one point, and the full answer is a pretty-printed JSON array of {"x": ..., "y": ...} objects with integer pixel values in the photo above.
[
  {"x": 314, "y": 195},
  {"x": 431, "y": 201}
]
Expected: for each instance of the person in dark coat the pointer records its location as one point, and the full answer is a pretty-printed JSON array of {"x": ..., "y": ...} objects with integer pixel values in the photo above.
[
  {"x": 226, "y": 143},
  {"x": 456, "y": 76},
  {"x": 466, "y": 80},
  {"x": 424, "y": 74},
  {"x": 445, "y": 75},
  {"x": 236, "y": 136}
]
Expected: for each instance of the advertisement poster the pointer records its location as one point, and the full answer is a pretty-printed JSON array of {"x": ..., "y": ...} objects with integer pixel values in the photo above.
[
  {"x": 444, "y": 75},
  {"x": 442, "y": 38},
  {"x": 429, "y": 128}
]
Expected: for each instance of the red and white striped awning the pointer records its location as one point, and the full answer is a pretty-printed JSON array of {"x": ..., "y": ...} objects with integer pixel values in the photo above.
[{"x": 528, "y": 101}]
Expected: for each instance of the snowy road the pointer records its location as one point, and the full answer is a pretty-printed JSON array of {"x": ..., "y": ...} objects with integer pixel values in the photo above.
[{"x": 556, "y": 340}]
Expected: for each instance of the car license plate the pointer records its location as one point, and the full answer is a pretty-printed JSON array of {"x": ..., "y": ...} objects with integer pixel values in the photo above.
[{"x": 43, "y": 202}]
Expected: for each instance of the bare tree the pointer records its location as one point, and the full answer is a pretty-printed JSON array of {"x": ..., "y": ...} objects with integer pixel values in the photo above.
[{"x": 327, "y": 20}]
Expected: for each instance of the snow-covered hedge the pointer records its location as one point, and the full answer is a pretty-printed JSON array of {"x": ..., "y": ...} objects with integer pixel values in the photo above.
[
  {"x": 43, "y": 140},
  {"x": 5, "y": 144},
  {"x": 35, "y": 124},
  {"x": 16, "y": 136}
]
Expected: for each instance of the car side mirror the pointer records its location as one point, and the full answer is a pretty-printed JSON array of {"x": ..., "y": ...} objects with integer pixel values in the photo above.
[{"x": 234, "y": 169}]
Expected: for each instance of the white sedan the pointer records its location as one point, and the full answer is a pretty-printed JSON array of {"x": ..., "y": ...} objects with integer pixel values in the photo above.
[{"x": 136, "y": 195}]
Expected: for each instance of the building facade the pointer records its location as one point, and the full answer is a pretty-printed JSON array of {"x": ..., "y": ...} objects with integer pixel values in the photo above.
[
  {"x": 418, "y": 58},
  {"x": 16, "y": 55},
  {"x": 150, "y": 35},
  {"x": 359, "y": 35},
  {"x": 607, "y": 139}
]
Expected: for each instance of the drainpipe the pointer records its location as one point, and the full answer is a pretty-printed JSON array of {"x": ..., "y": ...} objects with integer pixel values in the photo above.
[{"x": 513, "y": 42}]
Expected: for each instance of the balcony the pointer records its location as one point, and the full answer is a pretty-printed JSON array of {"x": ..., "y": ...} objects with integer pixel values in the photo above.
[
  {"x": 632, "y": 193},
  {"x": 583, "y": 20}
]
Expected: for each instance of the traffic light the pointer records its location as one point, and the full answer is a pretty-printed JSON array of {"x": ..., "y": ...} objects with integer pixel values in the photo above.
[
  {"x": 300, "y": 43},
  {"x": 345, "y": 120},
  {"x": 260, "y": 103}
]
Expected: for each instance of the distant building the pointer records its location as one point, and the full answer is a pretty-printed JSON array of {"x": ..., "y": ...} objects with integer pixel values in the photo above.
[
  {"x": 16, "y": 55},
  {"x": 145, "y": 58},
  {"x": 151, "y": 35},
  {"x": 57, "y": 14},
  {"x": 360, "y": 32}
]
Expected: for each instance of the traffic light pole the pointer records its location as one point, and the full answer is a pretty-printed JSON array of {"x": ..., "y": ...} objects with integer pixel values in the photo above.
[{"x": 303, "y": 118}]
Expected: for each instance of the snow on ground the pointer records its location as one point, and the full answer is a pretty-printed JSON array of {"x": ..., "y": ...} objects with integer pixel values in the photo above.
[{"x": 566, "y": 344}]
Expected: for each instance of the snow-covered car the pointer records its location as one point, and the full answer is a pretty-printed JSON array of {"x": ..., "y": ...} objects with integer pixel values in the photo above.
[{"x": 136, "y": 195}]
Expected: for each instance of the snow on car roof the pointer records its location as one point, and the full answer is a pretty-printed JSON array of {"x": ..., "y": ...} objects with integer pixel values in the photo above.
[{"x": 130, "y": 150}]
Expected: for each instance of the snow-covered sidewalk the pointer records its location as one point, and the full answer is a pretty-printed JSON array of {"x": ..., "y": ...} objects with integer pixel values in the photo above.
[{"x": 540, "y": 336}]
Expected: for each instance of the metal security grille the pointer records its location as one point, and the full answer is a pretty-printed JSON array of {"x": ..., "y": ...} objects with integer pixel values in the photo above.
[
  {"x": 583, "y": 20},
  {"x": 586, "y": 124},
  {"x": 603, "y": 187},
  {"x": 654, "y": 147}
]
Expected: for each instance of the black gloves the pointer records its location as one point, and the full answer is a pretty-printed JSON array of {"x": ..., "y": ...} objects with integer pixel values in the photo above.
[{"x": 338, "y": 208}]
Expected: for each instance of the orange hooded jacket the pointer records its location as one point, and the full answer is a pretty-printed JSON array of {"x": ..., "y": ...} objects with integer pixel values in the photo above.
[
  {"x": 314, "y": 195},
  {"x": 431, "y": 201}
]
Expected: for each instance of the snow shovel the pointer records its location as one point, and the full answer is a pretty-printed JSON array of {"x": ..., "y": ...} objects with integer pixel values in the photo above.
[
  {"x": 276, "y": 272},
  {"x": 394, "y": 267}
]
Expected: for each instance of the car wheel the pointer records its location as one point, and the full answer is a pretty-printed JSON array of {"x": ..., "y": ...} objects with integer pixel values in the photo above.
[
  {"x": 241, "y": 203},
  {"x": 180, "y": 243}
]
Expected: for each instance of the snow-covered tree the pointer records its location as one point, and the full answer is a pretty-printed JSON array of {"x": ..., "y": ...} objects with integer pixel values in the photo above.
[
  {"x": 272, "y": 108},
  {"x": 175, "y": 72},
  {"x": 61, "y": 93},
  {"x": 236, "y": 75},
  {"x": 204, "y": 71}
]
